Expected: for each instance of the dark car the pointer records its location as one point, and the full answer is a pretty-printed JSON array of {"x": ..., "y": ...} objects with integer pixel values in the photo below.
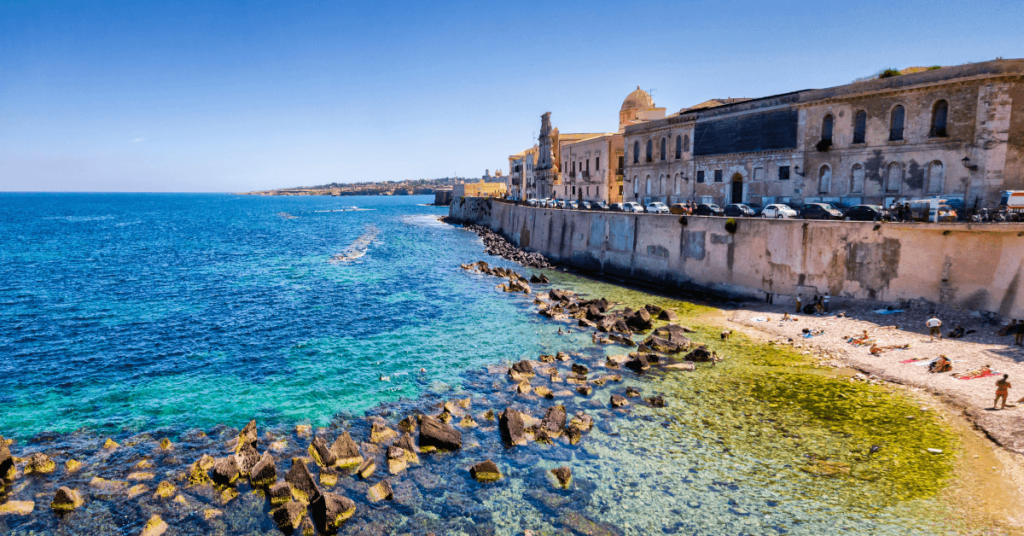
[
  {"x": 704, "y": 209},
  {"x": 737, "y": 210},
  {"x": 600, "y": 205},
  {"x": 865, "y": 213},
  {"x": 615, "y": 207},
  {"x": 584, "y": 205},
  {"x": 820, "y": 211}
]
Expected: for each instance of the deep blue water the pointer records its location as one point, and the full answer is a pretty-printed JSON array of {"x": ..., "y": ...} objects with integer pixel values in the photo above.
[{"x": 152, "y": 311}]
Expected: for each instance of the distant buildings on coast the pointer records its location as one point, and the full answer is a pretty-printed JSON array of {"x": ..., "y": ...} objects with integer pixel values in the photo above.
[{"x": 950, "y": 131}]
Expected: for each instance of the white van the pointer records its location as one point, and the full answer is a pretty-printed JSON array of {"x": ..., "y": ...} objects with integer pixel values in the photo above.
[
  {"x": 933, "y": 210},
  {"x": 1012, "y": 201}
]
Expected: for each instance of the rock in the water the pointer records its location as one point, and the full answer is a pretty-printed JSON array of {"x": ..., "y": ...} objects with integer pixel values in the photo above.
[
  {"x": 304, "y": 489},
  {"x": 328, "y": 477},
  {"x": 289, "y": 516},
  {"x": 486, "y": 471},
  {"x": 39, "y": 463},
  {"x": 330, "y": 510},
  {"x": 407, "y": 424},
  {"x": 345, "y": 451},
  {"x": 667, "y": 315},
  {"x": 632, "y": 392},
  {"x": 656, "y": 401},
  {"x": 380, "y": 433},
  {"x": 321, "y": 453},
  {"x": 264, "y": 473},
  {"x": 523, "y": 387},
  {"x": 303, "y": 430},
  {"x": 380, "y": 491},
  {"x": 699, "y": 355},
  {"x": 280, "y": 493},
  {"x": 307, "y": 528},
  {"x": 247, "y": 457},
  {"x": 197, "y": 472},
  {"x": 6, "y": 461},
  {"x": 17, "y": 508},
  {"x": 225, "y": 471},
  {"x": 674, "y": 333},
  {"x": 524, "y": 368},
  {"x": 543, "y": 392},
  {"x": 585, "y": 390},
  {"x": 247, "y": 436},
  {"x": 397, "y": 461},
  {"x": 154, "y": 527},
  {"x": 407, "y": 444},
  {"x": 513, "y": 429},
  {"x": 665, "y": 346},
  {"x": 164, "y": 490},
  {"x": 582, "y": 421},
  {"x": 563, "y": 475},
  {"x": 554, "y": 421},
  {"x": 434, "y": 433},
  {"x": 619, "y": 401},
  {"x": 640, "y": 320},
  {"x": 624, "y": 340},
  {"x": 366, "y": 468},
  {"x": 65, "y": 500},
  {"x": 110, "y": 444},
  {"x": 580, "y": 368},
  {"x": 654, "y": 310},
  {"x": 639, "y": 363}
]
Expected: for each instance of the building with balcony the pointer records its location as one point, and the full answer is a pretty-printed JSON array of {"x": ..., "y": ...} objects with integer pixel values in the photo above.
[{"x": 521, "y": 179}]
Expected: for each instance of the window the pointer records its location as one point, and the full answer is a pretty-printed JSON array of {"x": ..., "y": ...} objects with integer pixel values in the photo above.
[
  {"x": 636, "y": 152},
  {"x": 893, "y": 177},
  {"x": 783, "y": 173},
  {"x": 679, "y": 147},
  {"x": 620, "y": 190},
  {"x": 826, "y": 128},
  {"x": 661, "y": 184},
  {"x": 936, "y": 173},
  {"x": 662, "y": 148},
  {"x": 860, "y": 126},
  {"x": 588, "y": 165},
  {"x": 597, "y": 163},
  {"x": 650, "y": 151},
  {"x": 758, "y": 174},
  {"x": 686, "y": 143},
  {"x": 648, "y": 185},
  {"x": 824, "y": 179},
  {"x": 621, "y": 163},
  {"x": 857, "y": 179},
  {"x": 939, "y": 113},
  {"x": 896, "y": 123},
  {"x": 718, "y": 175},
  {"x": 700, "y": 177},
  {"x": 679, "y": 187},
  {"x": 574, "y": 167},
  {"x": 636, "y": 185}
]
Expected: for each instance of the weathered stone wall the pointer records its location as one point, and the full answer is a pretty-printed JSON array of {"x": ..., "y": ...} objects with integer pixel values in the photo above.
[{"x": 963, "y": 266}]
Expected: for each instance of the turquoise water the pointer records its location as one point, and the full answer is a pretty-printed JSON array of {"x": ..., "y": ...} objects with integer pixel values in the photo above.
[{"x": 138, "y": 317}]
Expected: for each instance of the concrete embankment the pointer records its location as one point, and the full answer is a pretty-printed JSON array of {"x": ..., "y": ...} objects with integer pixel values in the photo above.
[{"x": 963, "y": 266}]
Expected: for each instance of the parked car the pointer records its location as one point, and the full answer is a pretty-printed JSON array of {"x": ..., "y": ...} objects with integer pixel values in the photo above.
[
  {"x": 778, "y": 211},
  {"x": 708, "y": 209},
  {"x": 679, "y": 208},
  {"x": 617, "y": 207},
  {"x": 562, "y": 204},
  {"x": 546, "y": 202},
  {"x": 820, "y": 211},
  {"x": 737, "y": 210},
  {"x": 865, "y": 213},
  {"x": 585, "y": 205},
  {"x": 657, "y": 208},
  {"x": 573, "y": 205},
  {"x": 532, "y": 202},
  {"x": 632, "y": 206},
  {"x": 600, "y": 205}
]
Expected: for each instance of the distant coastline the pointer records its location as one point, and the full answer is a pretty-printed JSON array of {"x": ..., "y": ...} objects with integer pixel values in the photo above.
[{"x": 410, "y": 187}]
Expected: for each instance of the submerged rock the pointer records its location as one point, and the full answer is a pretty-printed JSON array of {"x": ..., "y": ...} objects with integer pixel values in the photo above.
[
  {"x": 434, "y": 433},
  {"x": 164, "y": 490},
  {"x": 632, "y": 392},
  {"x": 17, "y": 508},
  {"x": 66, "y": 500},
  {"x": 563, "y": 475},
  {"x": 197, "y": 473},
  {"x": 330, "y": 510},
  {"x": 513, "y": 429},
  {"x": 619, "y": 401},
  {"x": 486, "y": 471},
  {"x": 154, "y": 527},
  {"x": 656, "y": 401},
  {"x": 380, "y": 491},
  {"x": 264, "y": 473},
  {"x": 39, "y": 463}
]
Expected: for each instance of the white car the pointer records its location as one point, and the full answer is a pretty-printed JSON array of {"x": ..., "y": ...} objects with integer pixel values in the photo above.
[
  {"x": 778, "y": 211},
  {"x": 657, "y": 208},
  {"x": 632, "y": 206},
  {"x": 532, "y": 202}
]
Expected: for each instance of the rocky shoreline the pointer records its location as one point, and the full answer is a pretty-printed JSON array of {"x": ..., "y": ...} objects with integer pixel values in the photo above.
[{"x": 495, "y": 244}]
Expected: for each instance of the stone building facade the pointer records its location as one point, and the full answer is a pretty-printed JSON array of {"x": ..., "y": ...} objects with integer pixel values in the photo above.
[
  {"x": 520, "y": 173},
  {"x": 593, "y": 170},
  {"x": 550, "y": 143},
  {"x": 955, "y": 132}
]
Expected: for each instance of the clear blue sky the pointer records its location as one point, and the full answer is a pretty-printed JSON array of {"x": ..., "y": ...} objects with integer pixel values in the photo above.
[{"x": 230, "y": 96}]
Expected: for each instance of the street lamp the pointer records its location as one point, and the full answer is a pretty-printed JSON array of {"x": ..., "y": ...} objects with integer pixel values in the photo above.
[{"x": 966, "y": 161}]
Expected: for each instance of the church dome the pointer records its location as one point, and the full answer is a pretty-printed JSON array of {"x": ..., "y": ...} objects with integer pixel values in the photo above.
[{"x": 638, "y": 99}]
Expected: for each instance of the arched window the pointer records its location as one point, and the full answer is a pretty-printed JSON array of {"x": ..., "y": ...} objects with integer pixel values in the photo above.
[
  {"x": 636, "y": 152},
  {"x": 939, "y": 114},
  {"x": 648, "y": 185},
  {"x": 893, "y": 177},
  {"x": 896, "y": 119},
  {"x": 826, "y": 128},
  {"x": 679, "y": 147},
  {"x": 936, "y": 174},
  {"x": 662, "y": 148},
  {"x": 686, "y": 142},
  {"x": 636, "y": 186},
  {"x": 650, "y": 151},
  {"x": 679, "y": 187},
  {"x": 857, "y": 179},
  {"x": 661, "y": 184},
  {"x": 860, "y": 126},
  {"x": 824, "y": 179}
]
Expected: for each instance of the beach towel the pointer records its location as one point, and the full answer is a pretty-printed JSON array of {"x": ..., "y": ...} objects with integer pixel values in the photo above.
[
  {"x": 861, "y": 342},
  {"x": 916, "y": 359},
  {"x": 976, "y": 375},
  {"x": 888, "y": 312},
  {"x": 759, "y": 319},
  {"x": 927, "y": 363}
]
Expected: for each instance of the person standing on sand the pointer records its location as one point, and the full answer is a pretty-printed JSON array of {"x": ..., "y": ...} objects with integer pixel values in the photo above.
[
  {"x": 799, "y": 302},
  {"x": 825, "y": 301},
  {"x": 1018, "y": 333},
  {"x": 1002, "y": 391},
  {"x": 934, "y": 327}
]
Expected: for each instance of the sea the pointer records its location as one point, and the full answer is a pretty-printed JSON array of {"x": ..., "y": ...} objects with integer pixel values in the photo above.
[{"x": 138, "y": 317}]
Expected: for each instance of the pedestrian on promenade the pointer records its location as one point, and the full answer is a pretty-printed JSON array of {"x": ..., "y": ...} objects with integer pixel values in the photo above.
[
  {"x": 1018, "y": 333},
  {"x": 934, "y": 327},
  {"x": 1002, "y": 391},
  {"x": 825, "y": 302},
  {"x": 799, "y": 302}
]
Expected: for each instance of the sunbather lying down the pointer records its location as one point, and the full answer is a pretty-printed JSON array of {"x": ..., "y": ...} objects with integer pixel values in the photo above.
[
  {"x": 983, "y": 372},
  {"x": 941, "y": 364},
  {"x": 876, "y": 349}
]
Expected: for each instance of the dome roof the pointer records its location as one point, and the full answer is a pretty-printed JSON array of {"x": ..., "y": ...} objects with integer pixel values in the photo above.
[{"x": 638, "y": 99}]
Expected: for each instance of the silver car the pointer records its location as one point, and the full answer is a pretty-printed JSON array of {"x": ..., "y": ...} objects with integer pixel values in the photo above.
[
  {"x": 657, "y": 208},
  {"x": 632, "y": 206}
]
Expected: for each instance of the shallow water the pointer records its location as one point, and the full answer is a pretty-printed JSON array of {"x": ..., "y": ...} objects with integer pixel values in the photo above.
[{"x": 143, "y": 316}]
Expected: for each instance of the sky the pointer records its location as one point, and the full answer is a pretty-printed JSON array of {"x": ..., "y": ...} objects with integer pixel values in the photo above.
[{"x": 208, "y": 96}]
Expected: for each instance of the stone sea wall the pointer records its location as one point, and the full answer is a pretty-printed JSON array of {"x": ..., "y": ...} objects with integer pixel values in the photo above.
[{"x": 962, "y": 266}]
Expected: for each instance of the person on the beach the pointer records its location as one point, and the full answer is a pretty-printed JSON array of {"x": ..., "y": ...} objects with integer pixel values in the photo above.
[
  {"x": 1002, "y": 391},
  {"x": 942, "y": 364},
  {"x": 934, "y": 327},
  {"x": 875, "y": 350},
  {"x": 560, "y": 330},
  {"x": 799, "y": 302},
  {"x": 1018, "y": 334},
  {"x": 824, "y": 301},
  {"x": 785, "y": 317},
  {"x": 1007, "y": 330}
]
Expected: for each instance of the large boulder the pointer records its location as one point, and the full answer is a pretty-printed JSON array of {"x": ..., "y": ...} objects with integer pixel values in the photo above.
[
  {"x": 247, "y": 458},
  {"x": 699, "y": 355},
  {"x": 247, "y": 436},
  {"x": 653, "y": 310},
  {"x": 554, "y": 421},
  {"x": 225, "y": 471},
  {"x": 330, "y": 510},
  {"x": 264, "y": 473},
  {"x": 523, "y": 368},
  {"x": 594, "y": 313},
  {"x": 321, "y": 453},
  {"x": 513, "y": 429},
  {"x": 65, "y": 500},
  {"x": 639, "y": 363},
  {"x": 640, "y": 320},
  {"x": 345, "y": 451},
  {"x": 674, "y": 333},
  {"x": 304, "y": 489},
  {"x": 668, "y": 316},
  {"x": 6, "y": 460},
  {"x": 665, "y": 346},
  {"x": 434, "y": 433},
  {"x": 288, "y": 516}
]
